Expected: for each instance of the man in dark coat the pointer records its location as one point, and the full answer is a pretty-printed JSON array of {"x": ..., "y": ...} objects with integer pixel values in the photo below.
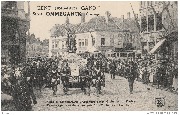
[
  {"x": 33, "y": 72},
  {"x": 66, "y": 71},
  {"x": 127, "y": 70},
  {"x": 112, "y": 69},
  {"x": 131, "y": 76},
  {"x": 85, "y": 79},
  {"x": 99, "y": 78},
  {"x": 54, "y": 77},
  {"x": 170, "y": 76},
  {"x": 39, "y": 75},
  {"x": 146, "y": 76},
  {"x": 23, "y": 94},
  {"x": 158, "y": 75},
  {"x": 135, "y": 69}
]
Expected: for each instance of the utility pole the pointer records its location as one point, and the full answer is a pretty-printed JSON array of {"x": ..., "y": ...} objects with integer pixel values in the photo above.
[
  {"x": 27, "y": 51},
  {"x": 135, "y": 18},
  {"x": 28, "y": 16},
  {"x": 137, "y": 24}
]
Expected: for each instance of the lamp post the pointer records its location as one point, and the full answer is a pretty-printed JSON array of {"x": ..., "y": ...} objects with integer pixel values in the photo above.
[{"x": 71, "y": 42}]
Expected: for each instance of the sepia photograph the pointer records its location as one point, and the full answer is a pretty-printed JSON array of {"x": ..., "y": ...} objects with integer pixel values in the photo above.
[{"x": 89, "y": 56}]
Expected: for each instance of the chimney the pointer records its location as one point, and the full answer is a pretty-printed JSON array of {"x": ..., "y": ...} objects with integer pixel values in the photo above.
[
  {"x": 82, "y": 17},
  {"x": 137, "y": 16},
  {"x": 67, "y": 20},
  {"x": 128, "y": 15},
  {"x": 108, "y": 14},
  {"x": 122, "y": 17}
]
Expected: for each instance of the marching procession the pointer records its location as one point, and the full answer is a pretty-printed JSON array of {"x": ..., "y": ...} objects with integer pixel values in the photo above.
[{"x": 20, "y": 81}]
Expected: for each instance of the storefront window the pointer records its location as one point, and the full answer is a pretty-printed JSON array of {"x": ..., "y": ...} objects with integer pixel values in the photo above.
[
  {"x": 102, "y": 41},
  {"x": 82, "y": 43},
  {"x": 117, "y": 54},
  {"x": 86, "y": 42},
  {"x": 79, "y": 44}
]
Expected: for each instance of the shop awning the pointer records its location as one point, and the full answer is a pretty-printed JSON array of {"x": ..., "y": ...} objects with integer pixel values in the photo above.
[{"x": 156, "y": 47}]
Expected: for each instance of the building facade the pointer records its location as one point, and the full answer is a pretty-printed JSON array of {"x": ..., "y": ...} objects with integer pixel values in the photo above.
[
  {"x": 101, "y": 40},
  {"x": 58, "y": 46},
  {"x": 45, "y": 48},
  {"x": 58, "y": 42},
  {"x": 158, "y": 19},
  {"x": 35, "y": 47},
  {"x": 103, "y": 33},
  {"x": 108, "y": 33},
  {"x": 14, "y": 25}
]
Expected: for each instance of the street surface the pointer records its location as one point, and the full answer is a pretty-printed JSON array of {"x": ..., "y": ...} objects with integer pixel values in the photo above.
[{"x": 115, "y": 96}]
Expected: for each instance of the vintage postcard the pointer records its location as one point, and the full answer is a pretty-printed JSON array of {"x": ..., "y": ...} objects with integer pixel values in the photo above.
[{"x": 89, "y": 56}]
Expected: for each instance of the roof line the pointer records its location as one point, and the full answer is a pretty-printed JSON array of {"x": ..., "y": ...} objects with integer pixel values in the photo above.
[{"x": 115, "y": 23}]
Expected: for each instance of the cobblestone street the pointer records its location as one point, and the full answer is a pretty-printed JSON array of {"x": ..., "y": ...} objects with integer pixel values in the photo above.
[{"x": 115, "y": 96}]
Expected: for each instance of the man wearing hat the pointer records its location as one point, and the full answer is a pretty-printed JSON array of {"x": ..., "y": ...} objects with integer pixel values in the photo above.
[
  {"x": 158, "y": 75},
  {"x": 112, "y": 69},
  {"x": 66, "y": 71},
  {"x": 131, "y": 76},
  {"x": 23, "y": 94},
  {"x": 54, "y": 78}
]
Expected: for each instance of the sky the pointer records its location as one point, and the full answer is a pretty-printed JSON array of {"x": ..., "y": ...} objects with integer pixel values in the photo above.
[{"x": 42, "y": 23}]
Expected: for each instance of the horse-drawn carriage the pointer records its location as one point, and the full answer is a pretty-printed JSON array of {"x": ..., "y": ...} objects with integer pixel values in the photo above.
[
  {"x": 77, "y": 76},
  {"x": 80, "y": 76}
]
